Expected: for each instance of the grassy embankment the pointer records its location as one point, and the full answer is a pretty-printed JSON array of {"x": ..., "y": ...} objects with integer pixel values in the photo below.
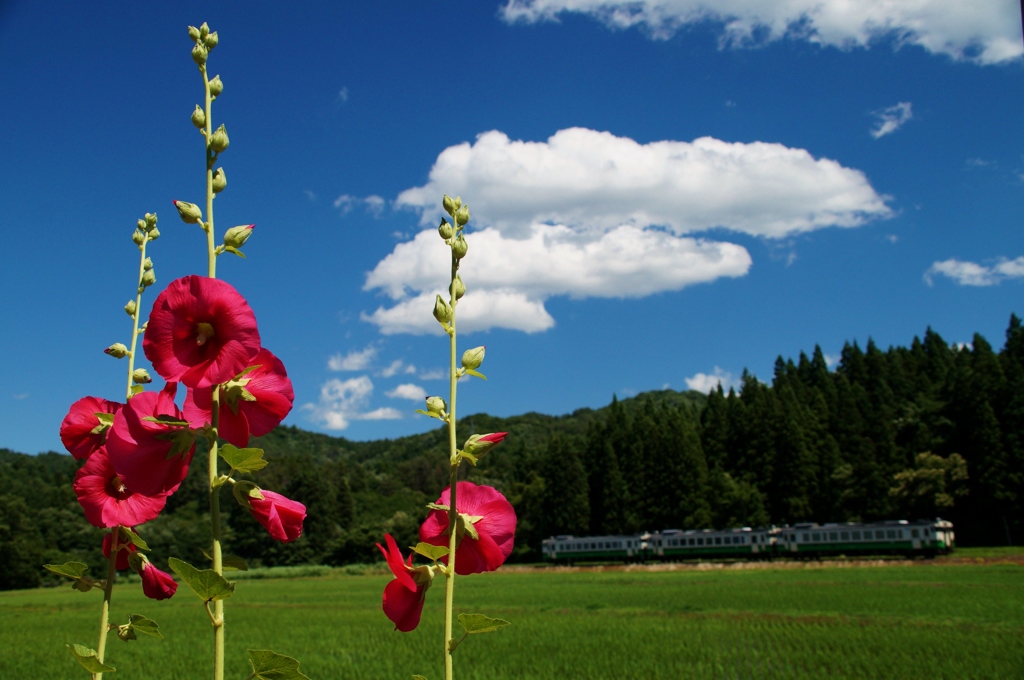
[{"x": 926, "y": 621}]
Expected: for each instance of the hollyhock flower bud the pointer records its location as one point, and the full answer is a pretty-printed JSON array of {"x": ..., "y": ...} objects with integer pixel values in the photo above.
[
  {"x": 123, "y": 551},
  {"x": 460, "y": 287},
  {"x": 84, "y": 428},
  {"x": 237, "y": 236},
  {"x": 220, "y": 180},
  {"x": 199, "y": 53},
  {"x": 445, "y": 229},
  {"x": 141, "y": 225},
  {"x": 211, "y": 40},
  {"x": 449, "y": 205},
  {"x": 485, "y": 533},
  {"x": 477, "y": 445},
  {"x": 190, "y": 212},
  {"x": 280, "y": 516},
  {"x": 151, "y": 456},
  {"x": 117, "y": 350},
  {"x": 193, "y": 33},
  {"x": 199, "y": 117},
  {"x": 147, "y": 264},
  {"x": 442, "y": 311},
  {"x": 107, "y": 502},
  {"x": 462, "y": 215},
  {"x": 150, "y": 220},
  {"x": 460, "y": 247},
  {"x": 138, "y": 238},
  {"x": 219, "y": 140},
  {"x": 156, "y": 584},
  {"x": 140, "y": 376},
  {"x": 201, "y": 332},
  {"x": 130, "y": 308},
  {"x": 404, "y": 596},
  {"x": 216, "y": 85},
  {"x": 148, "y": 278},
  {"x": 436, "y": 405},
  {"x": 252, "y": 404},
  {"x": 472, "y": 358},
  {"x": 204, "y": 30},
  {"x": 154, "y": 234}
]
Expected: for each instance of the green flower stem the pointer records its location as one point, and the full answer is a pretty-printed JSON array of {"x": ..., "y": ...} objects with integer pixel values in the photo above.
[
  {"x": 108, "y": 589},
  {"x": 449, "y": 574},
  {"x": 218, "y": 555},
  {"x": 136, "y": 315}
]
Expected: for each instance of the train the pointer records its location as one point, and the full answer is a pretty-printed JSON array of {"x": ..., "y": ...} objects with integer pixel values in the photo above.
[{"x": 805, "y": 540}]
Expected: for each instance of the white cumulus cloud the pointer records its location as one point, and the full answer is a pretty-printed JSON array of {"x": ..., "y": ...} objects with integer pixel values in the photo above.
[
  {"x": 510, "y": 279},
  {"x": 973, "y": 274},
  {"x": 595, "y": 181},
  {"x": 397, "y": 366},
  {"x": 891, "y": 119},
  {"x": 342, "y": 401},
  {"x": 408, "y": 391},
  {"x": 356, "y": 360},
  {"x": 983, "y": 32},
  {"x": 705, "y": 382}
]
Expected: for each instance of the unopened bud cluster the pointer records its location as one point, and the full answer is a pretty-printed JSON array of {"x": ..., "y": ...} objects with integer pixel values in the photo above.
[{"x": 451, "y": 232}]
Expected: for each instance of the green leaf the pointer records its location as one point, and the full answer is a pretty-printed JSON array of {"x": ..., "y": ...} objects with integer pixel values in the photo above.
[
  {"x": 89, "y": 659},
  {"x": 69, "y": 569},
  {"x": 236, "y": 251},
  {"x": 473, "y": 460},
  {"x": 435, "y": 506},
  {"x": 428, "y": 413},
  {"x": 138, "y": 389},
  {"x": 431, "y": 552},
  {"x": 470, "y": 371},
  {"x": 83, "y": 584},
  {"x": 418, "y": 677},
  {"x": 242, "y": 460},
  {"x": 135, "y": 539},
  {"x": 146, "y": 626},
  {"x": 478, "y": 623},
  {"x": 206, "y": 583},
  {"x": 268, "y": 665},
  {"x": 230, "y": 562}
]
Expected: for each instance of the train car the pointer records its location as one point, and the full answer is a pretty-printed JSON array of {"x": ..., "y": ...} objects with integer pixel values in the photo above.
[
  {"x": 921, "y": 537},
  {"x": 707, "y": 543},
  {"x": 567, "y": 548}
]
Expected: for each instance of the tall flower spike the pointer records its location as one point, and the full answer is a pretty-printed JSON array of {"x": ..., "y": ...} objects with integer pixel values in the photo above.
[
  {"x": 201, "y": 332},
  {"x": 486, "y": 531},
  {"x": 404, "y": 596}
]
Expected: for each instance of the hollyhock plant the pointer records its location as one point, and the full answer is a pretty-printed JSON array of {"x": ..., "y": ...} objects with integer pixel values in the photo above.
[
  {"x": 253, "y": 403},
  {"x": 151, "y": 457},
  {"x": 106, "y": 500},
  {"x": 201, "y": 332},
  {"x": 156, "y": 584},
  {"x": 123, "y": 551},
  {"x": 404, "y": 596},
  {"x": 280, "y": 516},
  {"x": 84, "y": 428},
  {"x": 486, "y": 528}
]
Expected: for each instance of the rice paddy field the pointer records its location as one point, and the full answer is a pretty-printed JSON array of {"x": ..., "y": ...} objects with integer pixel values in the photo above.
[{"x": 961, "y": 619}]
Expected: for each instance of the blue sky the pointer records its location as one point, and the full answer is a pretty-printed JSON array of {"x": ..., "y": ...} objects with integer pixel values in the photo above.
[{"x": 661, "y": 193}]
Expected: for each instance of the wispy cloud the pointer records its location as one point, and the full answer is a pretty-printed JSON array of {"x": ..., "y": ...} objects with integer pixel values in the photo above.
[
  {"x": 342, "y": 401},
  {"x": 891, "y": 119},
  {"x": 356, "y": 360},
  {"x": 343, "y": 95},
  {"x": 973, "y": 274},
  {"x": 705, "y": 382},
  {"x": 984, "y": 33},
  {"x": 408, "y": 391},
  {"x": 398, "y": 366},
  {"x": 20, "y": 397},
  {"x": 434, "y": 374},
  {"x": 372, "y": 204}
]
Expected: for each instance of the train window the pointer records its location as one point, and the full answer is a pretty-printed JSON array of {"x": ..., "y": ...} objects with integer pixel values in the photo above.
[
  {"x": 845, "y": 535},
  {"x": 856, "y": 535},
  {"x": 692, "y": 541},
  {"x": 718, "y": 540},
  {"x": 816, "y": 537},
  {"x": 890, "y": 533},
  {"x": 807, "y": 537},
  {"x": 700, "y": 541},
  {"x": 913, "y": 533}
]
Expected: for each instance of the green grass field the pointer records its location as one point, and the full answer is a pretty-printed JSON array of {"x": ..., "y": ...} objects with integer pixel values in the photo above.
[{"x": 923, "y": 621}]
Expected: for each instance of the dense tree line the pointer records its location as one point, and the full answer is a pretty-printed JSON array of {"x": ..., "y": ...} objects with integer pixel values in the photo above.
[{"x": 919, "y": 431}]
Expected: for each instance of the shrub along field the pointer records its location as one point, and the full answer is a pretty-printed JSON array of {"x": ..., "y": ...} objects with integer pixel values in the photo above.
[{"x": 922, "y": 621}]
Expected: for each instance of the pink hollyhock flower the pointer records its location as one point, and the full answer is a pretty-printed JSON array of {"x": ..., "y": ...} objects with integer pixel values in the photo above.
[
  {"x": 486, "y": 531},
  {"x": 122, "y": 552},
  {"x": 84, "y": 430},
  {"x": 253, "y": 403},
  {"x": 156, "y": 584},
  {"x": 107, "y": 502},
  {"x": 280, "y": 516},
  {"x": 151, "y": 457},
  {"x": 404, "y": 596},
  {"x": 201, "y": 332}
]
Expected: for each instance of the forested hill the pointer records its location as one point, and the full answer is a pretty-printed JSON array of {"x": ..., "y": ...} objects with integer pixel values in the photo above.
[{"x": 918, "y": 431}]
